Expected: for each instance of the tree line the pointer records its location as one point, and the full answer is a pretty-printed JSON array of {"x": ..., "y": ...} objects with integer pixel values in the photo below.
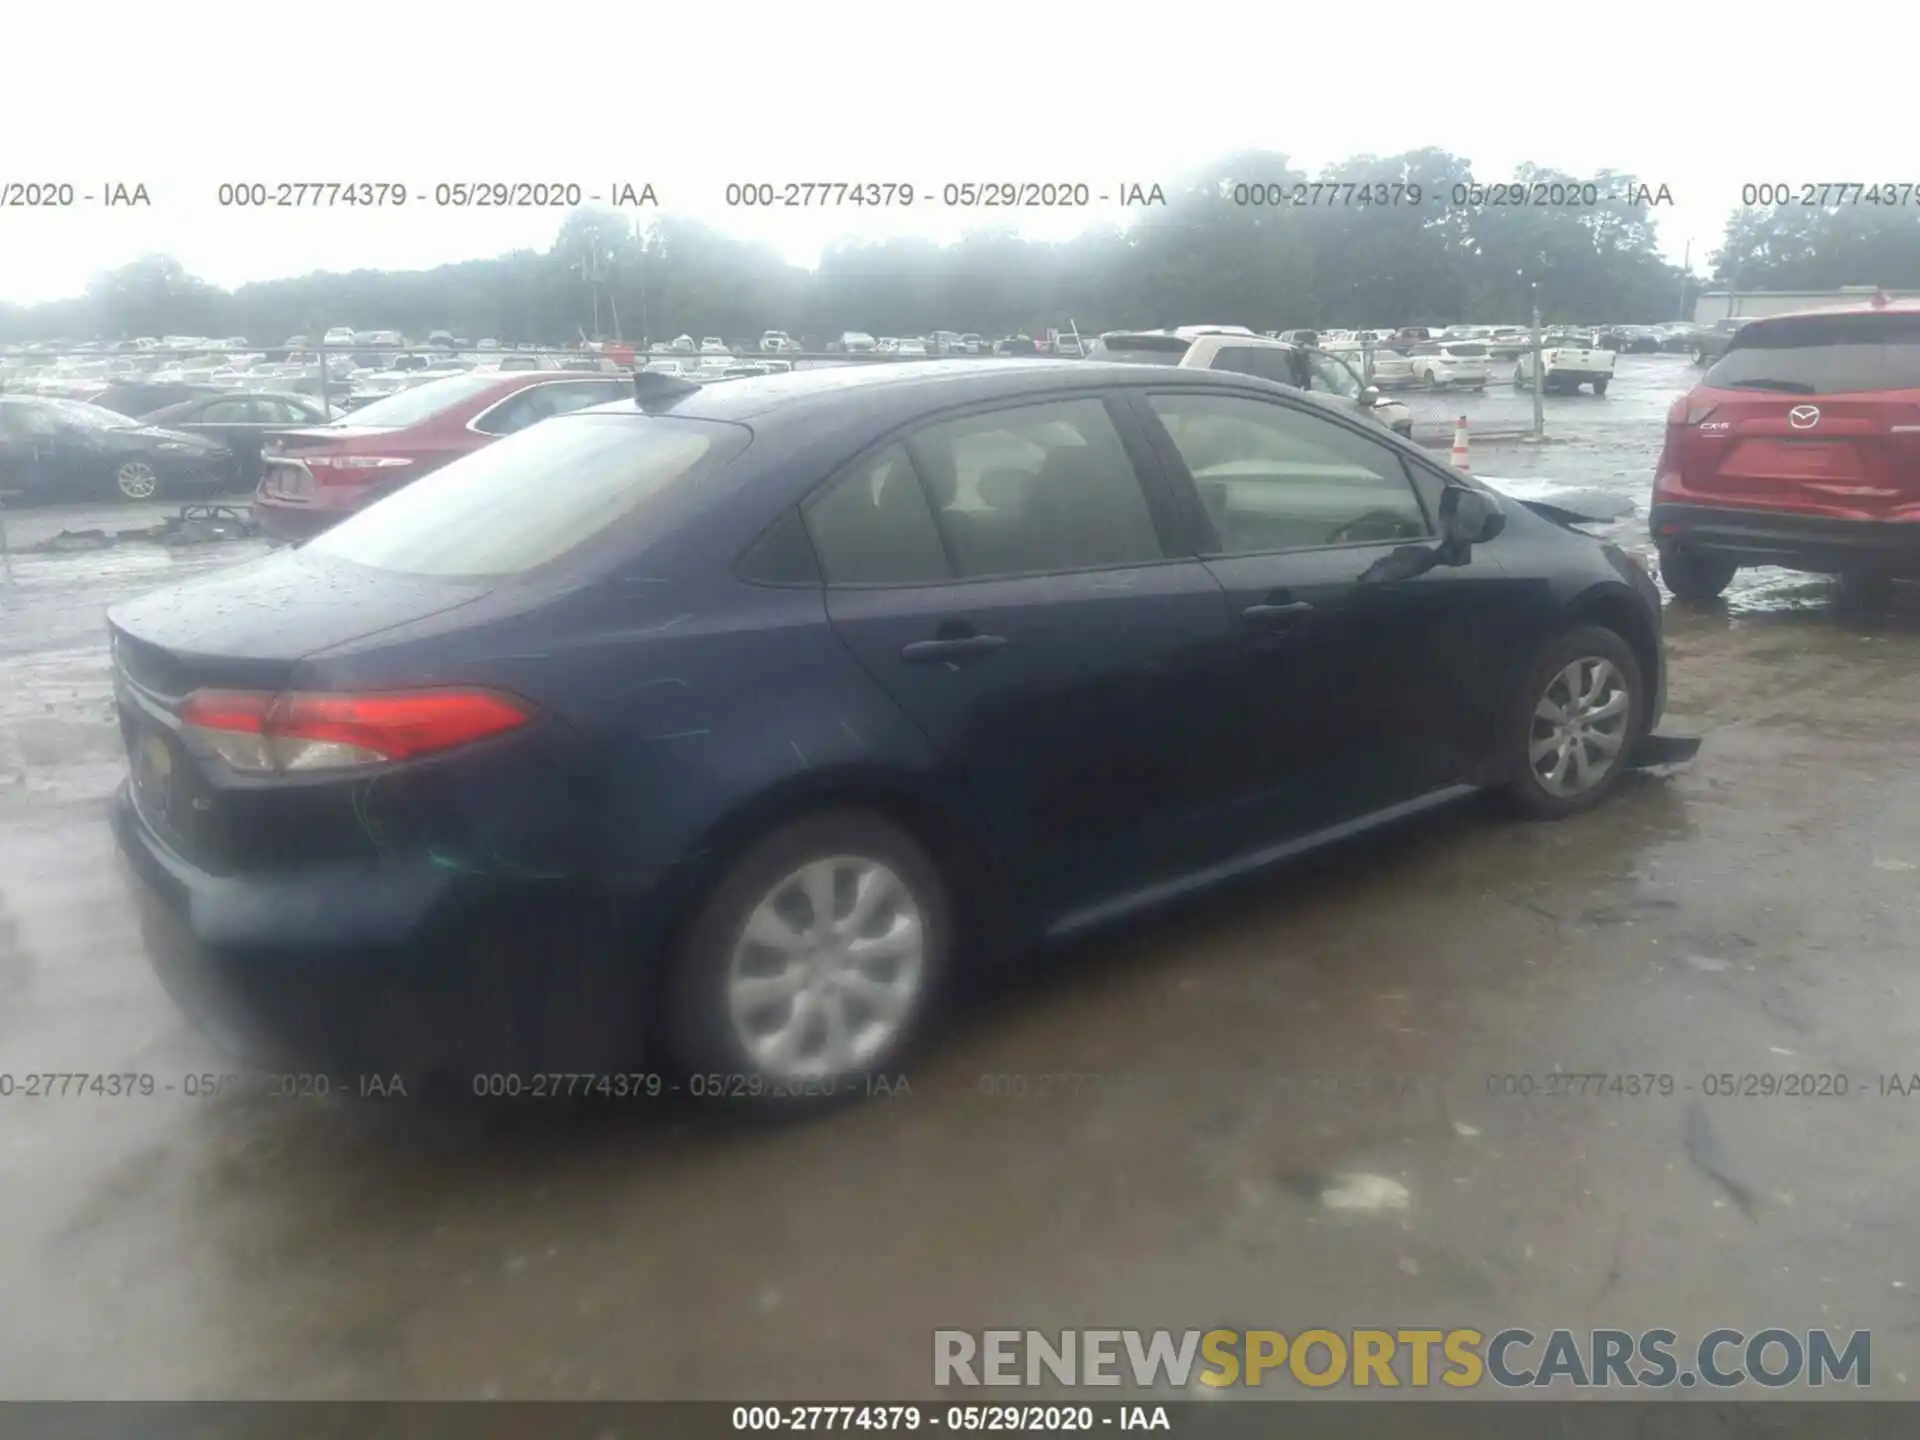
[{"x": 1204, "y": 254}]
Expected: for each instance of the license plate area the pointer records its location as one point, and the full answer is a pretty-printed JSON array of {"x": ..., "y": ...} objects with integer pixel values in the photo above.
[
  {"x": 1796, "y": 459},
  {"x": 289, "y": 482}
]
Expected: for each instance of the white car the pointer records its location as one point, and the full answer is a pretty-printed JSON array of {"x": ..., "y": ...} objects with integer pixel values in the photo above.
[
  {"x": 339, "y": 335},
  {"x": 915, "y": 348},
  {"x": 1506, "y": 341},
  {"x": 1389, "y": 369},
  {"x": 1568, "y": 361},
  {"x": 856, "y": 342},
  {"x": 713, "y": 345},
  {"x": 775, "y": 341},
  {"x": 1450, "y": 365},
  {"x": 1302, "y": 367}
]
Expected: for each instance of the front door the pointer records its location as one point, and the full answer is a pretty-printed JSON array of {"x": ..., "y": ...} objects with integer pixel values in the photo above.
[
  {"x": 1006, "y": 577},
  {"x": 1359, "y": 692}
]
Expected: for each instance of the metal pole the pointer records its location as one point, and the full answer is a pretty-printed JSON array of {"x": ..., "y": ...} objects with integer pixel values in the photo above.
[
  {"x": 1539, "y": 374},
  {"x": 1686, "y": 281}
]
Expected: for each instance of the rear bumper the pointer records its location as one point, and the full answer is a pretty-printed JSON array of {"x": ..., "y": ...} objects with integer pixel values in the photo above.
[
  {"x": 389, "y": 967},
  {"x": 1815, "y": 543},
  {"x": 278, "y": 520}
]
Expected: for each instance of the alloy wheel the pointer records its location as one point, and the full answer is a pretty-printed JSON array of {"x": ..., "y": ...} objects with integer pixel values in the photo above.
[
  {"x": 1579, "y": 727},
  {"x": 136, "y": 480},
  {"x": 828, "y": 970}
]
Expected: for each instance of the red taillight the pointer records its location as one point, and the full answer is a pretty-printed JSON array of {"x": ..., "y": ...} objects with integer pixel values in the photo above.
[
  {"x": 352, "y": 469},
  {"x": 261, "y": 733},
  {"x": 1689, "y": 411}
]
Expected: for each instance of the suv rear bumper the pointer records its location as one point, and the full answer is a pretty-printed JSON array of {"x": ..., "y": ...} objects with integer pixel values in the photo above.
[{"x": 1818, "y": 544}]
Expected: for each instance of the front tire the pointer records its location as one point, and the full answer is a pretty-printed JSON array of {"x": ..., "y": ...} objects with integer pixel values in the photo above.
[
  {"x": 1579, "y": 713},
  {"x": 812, "y": 966},
  {"x": 1692, "y": 576}
]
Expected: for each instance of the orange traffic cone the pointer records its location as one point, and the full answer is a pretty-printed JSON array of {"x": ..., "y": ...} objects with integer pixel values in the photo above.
[{"x": 1460, "y": 444}]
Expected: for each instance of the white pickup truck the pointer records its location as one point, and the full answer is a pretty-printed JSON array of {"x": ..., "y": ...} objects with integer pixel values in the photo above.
[{"x": 1569, "y": 361}]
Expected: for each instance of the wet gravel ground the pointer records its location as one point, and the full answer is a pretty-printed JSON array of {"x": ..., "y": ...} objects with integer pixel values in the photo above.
[{"x": 1752, "y": 914}]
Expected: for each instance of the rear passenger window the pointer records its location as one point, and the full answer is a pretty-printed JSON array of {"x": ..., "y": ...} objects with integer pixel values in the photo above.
[
  {"x": 1039, "y": 488},
  {"x": 873, "y": 527}
]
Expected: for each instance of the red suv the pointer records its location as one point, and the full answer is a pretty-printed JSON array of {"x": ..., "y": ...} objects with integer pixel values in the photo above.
[
  {"x": 311, "y": 479},
  {"x": 1800, "y": 447}
]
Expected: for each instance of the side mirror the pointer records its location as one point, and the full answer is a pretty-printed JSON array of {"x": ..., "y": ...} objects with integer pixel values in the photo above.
[
  {"x": 1468, "y": 517},
  {"x": 1370, "y": 397}
]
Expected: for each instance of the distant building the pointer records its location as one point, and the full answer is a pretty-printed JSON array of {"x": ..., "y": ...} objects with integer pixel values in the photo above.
[{"x": 1712, "y": 305}]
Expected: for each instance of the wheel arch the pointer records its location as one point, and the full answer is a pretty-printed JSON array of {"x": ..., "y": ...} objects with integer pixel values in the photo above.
[
  {"x": 987, "y": 918},
  {"x": 1620, "y": 612}
]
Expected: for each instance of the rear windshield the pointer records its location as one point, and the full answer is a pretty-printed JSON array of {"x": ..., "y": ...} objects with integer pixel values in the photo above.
[
  {"x": 1823, "y": 355},
  {"x": 410, "y": 407},
  {"x": 1140, "y": 349},
  {"x": 531, "y": 498},
  {"x": 1466, "y": 349}
]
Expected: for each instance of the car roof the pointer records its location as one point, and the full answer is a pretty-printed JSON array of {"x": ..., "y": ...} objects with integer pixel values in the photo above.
[
  {"x": 912, "y": 386},
  {"x": 1851, "y": 307}
]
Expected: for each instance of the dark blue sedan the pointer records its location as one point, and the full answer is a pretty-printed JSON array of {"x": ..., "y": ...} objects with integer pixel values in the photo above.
[{"x": 711, "y": 732}]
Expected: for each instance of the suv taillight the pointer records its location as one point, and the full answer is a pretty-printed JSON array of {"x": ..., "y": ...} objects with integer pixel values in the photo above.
[
  {"x": 263, "y": 734},
  {"x": 1687, "y": 411}
]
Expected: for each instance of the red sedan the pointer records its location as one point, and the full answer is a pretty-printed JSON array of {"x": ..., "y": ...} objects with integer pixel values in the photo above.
[{"x": 312, "y": 479}]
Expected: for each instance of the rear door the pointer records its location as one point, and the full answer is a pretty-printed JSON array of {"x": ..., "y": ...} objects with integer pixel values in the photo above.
[
  {"x": 1356, "y": 692},
  {"x": 1818, "y": 414},
  {"x": 239, "y": 423},
  {"x": 1012, "y": 577}
]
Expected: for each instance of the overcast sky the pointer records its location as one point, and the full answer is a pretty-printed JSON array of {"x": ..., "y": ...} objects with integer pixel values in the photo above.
[{"x": 690, "y": 97}]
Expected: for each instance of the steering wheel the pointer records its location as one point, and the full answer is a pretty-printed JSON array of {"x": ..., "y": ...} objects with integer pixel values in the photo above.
[{"x": 1392, "y": 520}]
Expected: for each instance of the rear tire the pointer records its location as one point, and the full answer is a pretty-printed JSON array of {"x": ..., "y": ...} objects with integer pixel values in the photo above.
[
  {"x": 1693, "y": 576},
  {"x": 1600, "y": 386},
  {"x": 853, "y": 933},
  {"x": 1573, "y": 724}
]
